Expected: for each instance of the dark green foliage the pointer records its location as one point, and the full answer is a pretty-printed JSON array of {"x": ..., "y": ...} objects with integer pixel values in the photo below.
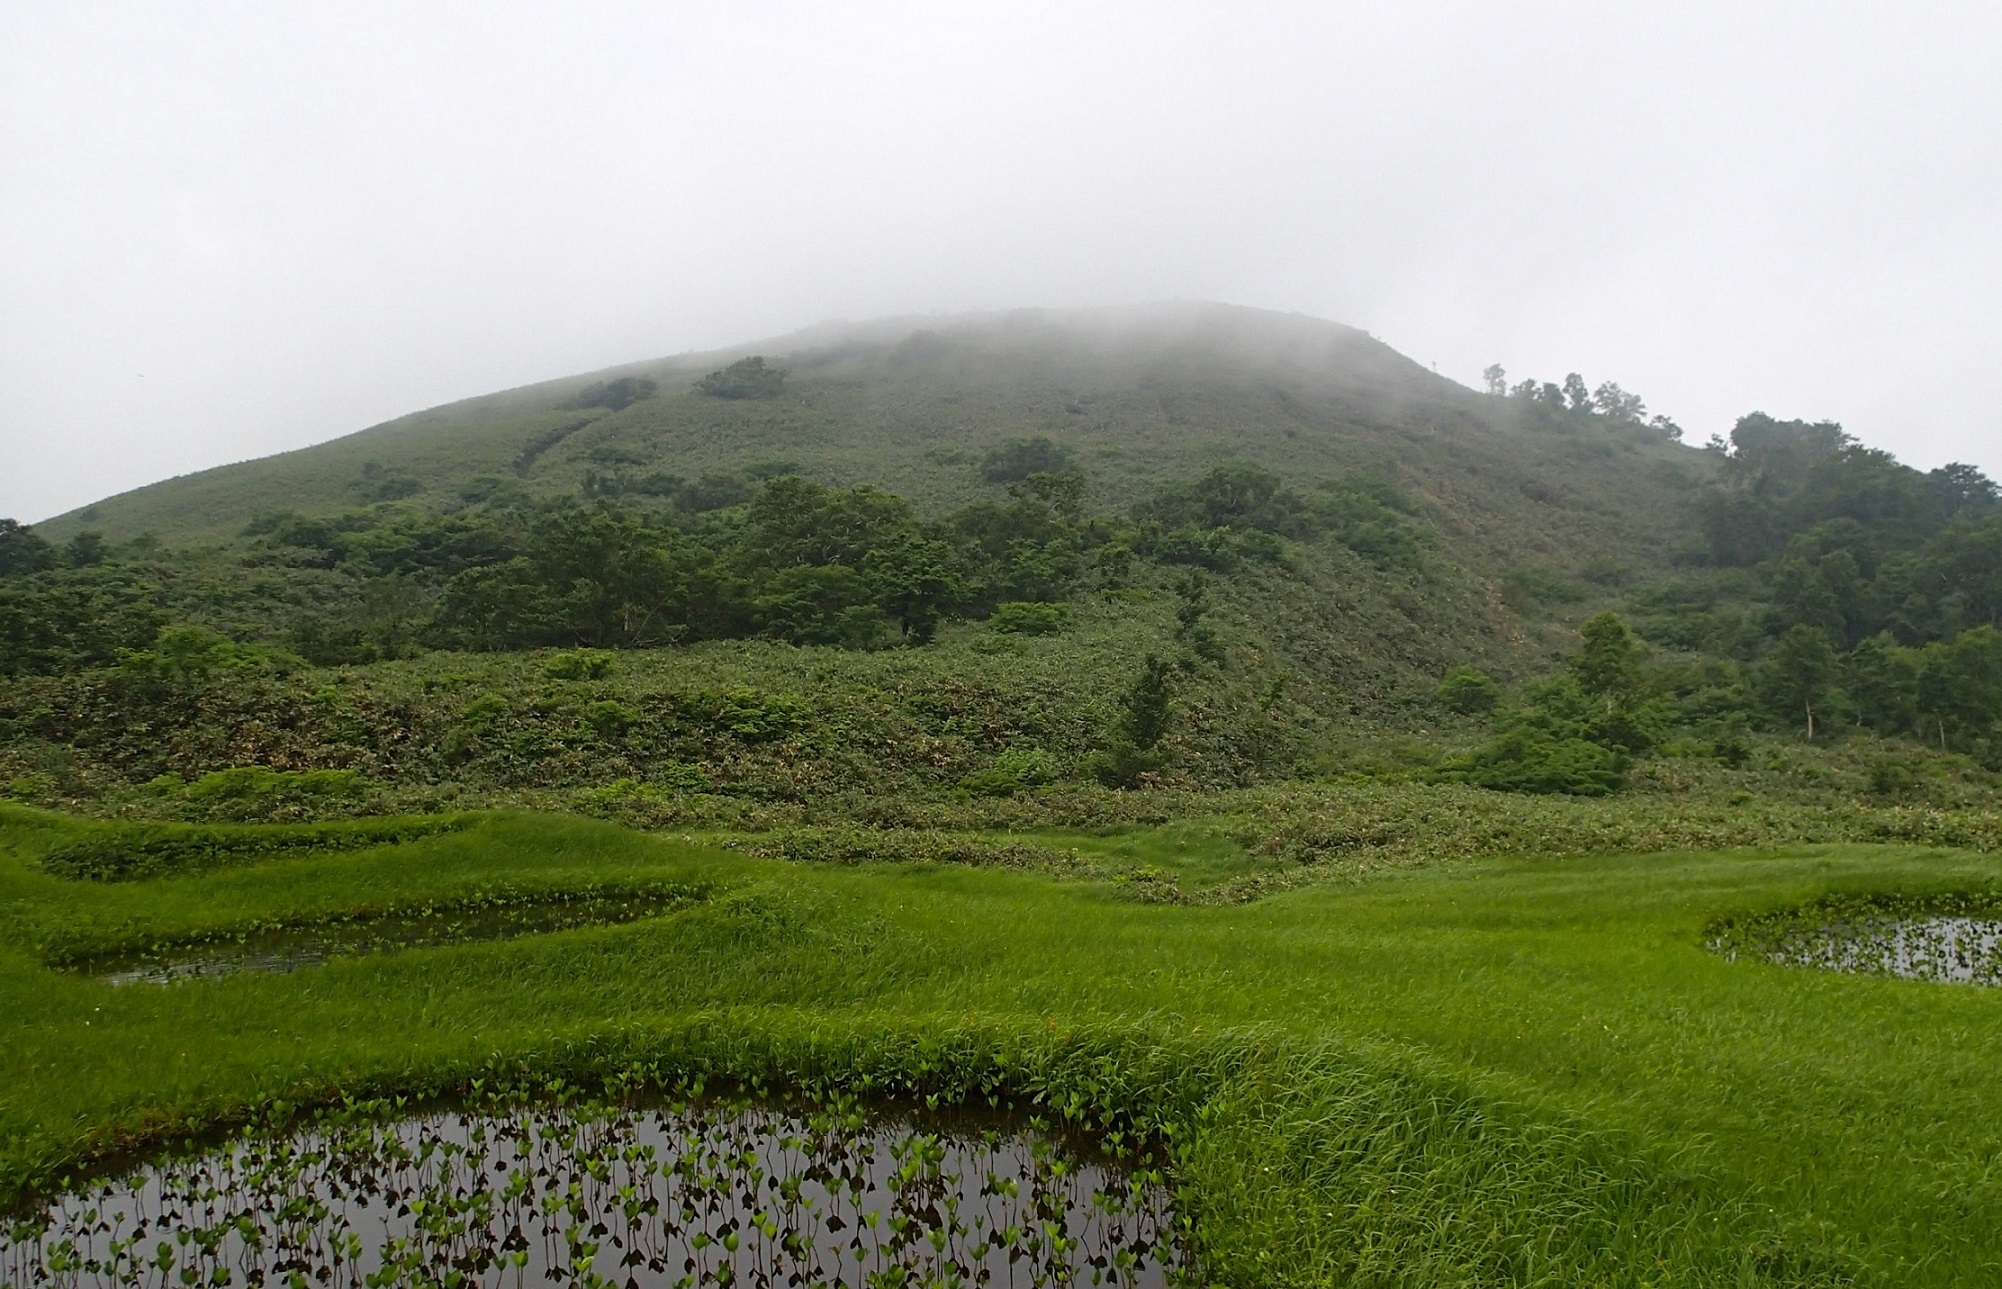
[
  {"x": 1236, "y": 514},
  {"x": 1573, "y": 733},
  {"x": 1231, "y": 497},
  {"x": 1524, "y": 759},
  {"x": 1801, "y": 672},
  {"x": 1018, "y": 459},
  {"x": 579, "y": 664},
  {"x": 746, "y": 378},
  {"x": 613, "y": 395},
  {"x": 1882, "y": 680},
  {"x": 1468, "y": 691},
  {"x": 1959, "y": 573},
  {"x": 1145, "y": 707},
  {"x": 1029, "y": 618},
  {"x": 1850, "y": 541},
  {"x": 132, "y": 853},
  {"x": 1121, "y": 765},
  {"x": 591, "y": 578},
  {"x": 1014, "y": 770},
  {"x": 1133, "y": 749},
  {"x": 22, "y": 550},
  {"x": 1572, "y": 406},
  {"x": 1374, "y": 520},
  {"x": 60, "y": 620},
  {"x": 85, "y": 549},
  {"x": 1609, "y": 663},
  {"x": 1192, "y": 606},
  {"x": 1959, "y": 685}
]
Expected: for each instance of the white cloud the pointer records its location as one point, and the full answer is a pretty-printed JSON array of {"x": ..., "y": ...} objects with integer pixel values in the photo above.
[{"x": 299, "y": 221}]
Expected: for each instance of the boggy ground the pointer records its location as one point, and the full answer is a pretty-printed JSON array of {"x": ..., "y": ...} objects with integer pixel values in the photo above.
[{"x": 1497, "y": 1072}]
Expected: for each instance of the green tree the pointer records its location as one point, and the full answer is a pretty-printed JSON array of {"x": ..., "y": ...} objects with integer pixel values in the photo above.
[
  {"x": 1192, "y": 606},
  {"x": 1962, "y": 571},
  {"x": 84, "y": 550},
  {"x": 1146, "y": 706},
  {"x": 1133, "y": 748},
  {"x": 1801, "y": 672},
  {"x": 1468, "y": 691},
  {"x": 819, "y": 604},
  {"x": 1960, "y": 684},
  {"x": 915, "y": 581},
  {"x": 746, "y": 378},
  {"x": 22, "y": 549},
  {"x": 1615, "y": 404},
  {"x": 1882, "y": 679},
  {"x": 1016, "y": 459},
  {"x": 1609, "y": 664},
  {"x": 1061, "y": 490}
]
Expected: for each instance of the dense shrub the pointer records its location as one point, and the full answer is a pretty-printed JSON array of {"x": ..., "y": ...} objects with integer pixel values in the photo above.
[
  {"x": 746, "y": 378},
  {"x": 1028, "y": 618},
  {"x": 1012, "y": 771},
  {"x": 1528, "y": 760},
  {"x": 1468, "y": 691},
  {"x": 127, "y": 853}
]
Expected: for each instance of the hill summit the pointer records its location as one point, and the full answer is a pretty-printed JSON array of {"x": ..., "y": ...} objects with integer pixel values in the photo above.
[
  {"x": 1135, "y": 396},
  {"x": 1187, "y": 544}
]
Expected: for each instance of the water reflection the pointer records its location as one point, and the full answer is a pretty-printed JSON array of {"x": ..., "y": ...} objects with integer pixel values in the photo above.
[
  {"x": 683, "y": 1195},
  {"x": 1950, "y": 948},
  {"x": 291, "y": 948}
]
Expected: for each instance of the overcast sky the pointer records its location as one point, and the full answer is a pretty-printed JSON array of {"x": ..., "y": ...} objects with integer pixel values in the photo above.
[{"x": 231, "y": 229}]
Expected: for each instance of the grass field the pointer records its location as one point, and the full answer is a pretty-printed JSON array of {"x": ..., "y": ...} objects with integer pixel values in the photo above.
[{"x": 1505, "y": 1071}]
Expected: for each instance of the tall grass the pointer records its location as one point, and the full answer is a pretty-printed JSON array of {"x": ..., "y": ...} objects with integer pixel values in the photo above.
[{"x": 1491, "y": 1073}]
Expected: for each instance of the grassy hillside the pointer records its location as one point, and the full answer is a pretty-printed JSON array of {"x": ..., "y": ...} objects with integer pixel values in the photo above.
[
  {"x": 1188, "y": 722},
  {"x": 1139, "y": 397},
  {"x": 948, "y": 550}
]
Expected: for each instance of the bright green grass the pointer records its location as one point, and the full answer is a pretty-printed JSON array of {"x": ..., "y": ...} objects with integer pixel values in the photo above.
[{"x": 1511, "y": 1072}]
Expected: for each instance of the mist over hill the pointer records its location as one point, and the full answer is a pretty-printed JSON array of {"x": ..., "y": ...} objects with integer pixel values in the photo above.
[
  {"x": 1181, "y": 543},
  {"x": 1138, "y": 396}
]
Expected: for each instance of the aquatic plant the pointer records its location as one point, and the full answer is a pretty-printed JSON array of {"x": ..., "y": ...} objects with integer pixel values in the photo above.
[{"x": 559, "y": 1190}]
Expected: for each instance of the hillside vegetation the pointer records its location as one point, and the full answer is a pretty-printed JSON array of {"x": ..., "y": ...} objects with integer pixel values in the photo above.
[
  {"x": 1190, "y": 546},
  {"x": 1199, "y": 726}
]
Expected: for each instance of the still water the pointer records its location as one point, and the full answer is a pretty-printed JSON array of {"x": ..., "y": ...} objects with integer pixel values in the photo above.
[
  {"x": 1950, "y": 949},
  {"x": 283, "y": 949},
  {"x": 687, "y": 1195}
]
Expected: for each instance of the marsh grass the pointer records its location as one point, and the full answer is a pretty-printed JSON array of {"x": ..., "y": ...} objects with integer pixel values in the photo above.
[
  {"x": 291, "y": 943},
  {"x": 1499, "y": 1071}
]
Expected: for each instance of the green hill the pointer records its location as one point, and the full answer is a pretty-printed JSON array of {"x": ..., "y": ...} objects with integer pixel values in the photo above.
[
  {"x": 909, "y": 556},
  {"x": 1139, "y": 397},
  {"x": 1363, "y": 769}
]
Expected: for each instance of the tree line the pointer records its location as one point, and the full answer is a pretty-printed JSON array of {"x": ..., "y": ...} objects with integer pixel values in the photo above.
[{"x": 795, "y": 561}]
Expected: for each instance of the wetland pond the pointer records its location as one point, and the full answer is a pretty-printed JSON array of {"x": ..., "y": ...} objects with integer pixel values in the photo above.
[
  {"x": 1947, "y": 941},
  {"x": 533, "y": 1193},
  {"x": 282, "y": 947}
]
